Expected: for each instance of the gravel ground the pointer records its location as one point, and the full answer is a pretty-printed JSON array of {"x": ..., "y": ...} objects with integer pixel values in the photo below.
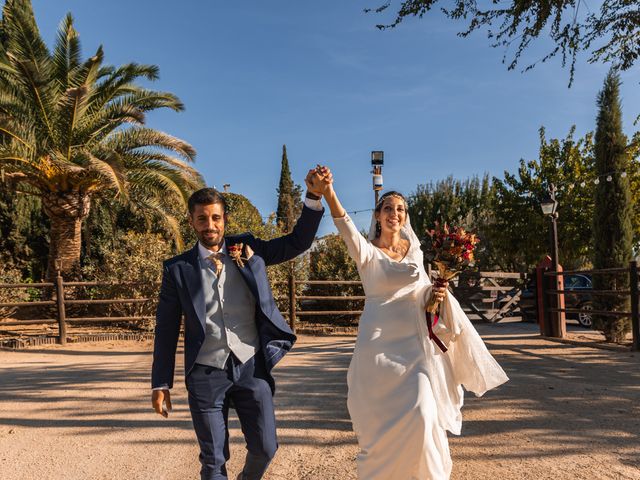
[{"x": 83, "y": 412}]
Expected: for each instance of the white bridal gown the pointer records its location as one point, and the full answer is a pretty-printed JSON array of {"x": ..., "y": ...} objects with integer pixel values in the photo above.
[{"x": 404, "y": 393}]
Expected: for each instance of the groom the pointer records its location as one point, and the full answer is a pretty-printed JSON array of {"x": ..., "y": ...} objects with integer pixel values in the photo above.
[{"x": 233, "y": 333}]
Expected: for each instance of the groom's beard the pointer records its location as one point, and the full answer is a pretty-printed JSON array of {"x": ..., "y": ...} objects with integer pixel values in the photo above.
[{"x": 209, "y": 241}]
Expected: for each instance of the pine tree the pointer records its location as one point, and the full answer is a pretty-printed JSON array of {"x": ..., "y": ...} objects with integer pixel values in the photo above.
[
  {"x": 612, "y": 229},
  {"x": 289, "y": 203}
]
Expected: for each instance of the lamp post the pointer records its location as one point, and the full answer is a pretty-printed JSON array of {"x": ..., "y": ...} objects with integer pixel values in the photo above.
[
  {"x": 377, "y": 161},
  {"x": 557, "y": 325},
  {"x": 549, "y": 207}
]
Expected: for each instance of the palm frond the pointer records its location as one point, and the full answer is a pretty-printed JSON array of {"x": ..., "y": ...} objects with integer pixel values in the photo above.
[
  {"x": 142, "y": 158},
  {"x": 86, "y": 74},
  {"x": 93, "y": 128},
  {"x": 119, "y": 81},
  {"x": 21, "y": 33},
  {"x": 109, "y": 168},
  {"x": 66, "y": 53},
  {"x": 70, "y": 107},
  {"x": 139, "y": 137},
  {"x": 10, "y": 129}
]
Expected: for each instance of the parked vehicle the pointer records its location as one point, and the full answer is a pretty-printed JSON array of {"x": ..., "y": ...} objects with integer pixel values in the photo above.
[{"x": 577, "y": 287}]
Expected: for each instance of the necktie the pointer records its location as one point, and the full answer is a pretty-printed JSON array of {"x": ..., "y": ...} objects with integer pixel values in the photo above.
[{"x": 216, "y": 259}]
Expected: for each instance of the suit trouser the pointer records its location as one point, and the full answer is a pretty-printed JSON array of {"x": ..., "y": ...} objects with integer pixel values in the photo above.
[{"x": 210, "y": 392}]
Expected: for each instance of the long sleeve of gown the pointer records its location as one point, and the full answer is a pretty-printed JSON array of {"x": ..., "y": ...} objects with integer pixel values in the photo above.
[
  {"x": 359, "y": 248},
  {"x": 473, "y": 366}
]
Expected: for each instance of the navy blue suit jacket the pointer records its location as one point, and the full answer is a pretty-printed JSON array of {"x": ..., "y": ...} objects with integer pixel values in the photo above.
[{"x": 181, "y": 294}]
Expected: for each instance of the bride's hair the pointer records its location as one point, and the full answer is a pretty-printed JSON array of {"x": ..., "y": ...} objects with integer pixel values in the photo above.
[{"x": 390, "y": 193}]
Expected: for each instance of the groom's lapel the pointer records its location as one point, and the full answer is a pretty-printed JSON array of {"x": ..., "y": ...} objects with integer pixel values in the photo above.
[
  {"x": 247, "y": 273},
  {"x": 193, "y": 279}
]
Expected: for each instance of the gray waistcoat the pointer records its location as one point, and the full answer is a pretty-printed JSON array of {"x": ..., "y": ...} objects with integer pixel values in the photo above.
[{"x": 230, "y": 308}]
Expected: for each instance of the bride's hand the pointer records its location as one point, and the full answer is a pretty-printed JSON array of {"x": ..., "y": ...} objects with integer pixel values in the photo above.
[
  {"x": 326, "y": 179},
  {"x": 439, "y": 291},
  {"x": 312, "y": 181},
  {"x": 319, "y": 180}
]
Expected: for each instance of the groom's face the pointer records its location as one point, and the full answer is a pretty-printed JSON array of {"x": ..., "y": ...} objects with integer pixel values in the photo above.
[{"x": 208, "y": 223}]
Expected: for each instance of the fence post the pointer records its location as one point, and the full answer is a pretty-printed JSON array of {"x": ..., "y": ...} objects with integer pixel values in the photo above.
[
  {"x": 559, "y": 323},
  {"x": 542, "y": 300},
  {"x": 292, "y": 301},
  {"x": 635, "y": 320},
  {"x": 62, "y": 320}
]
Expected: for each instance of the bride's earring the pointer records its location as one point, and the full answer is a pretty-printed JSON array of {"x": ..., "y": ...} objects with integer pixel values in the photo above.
[{"x": 378, "y": 228}]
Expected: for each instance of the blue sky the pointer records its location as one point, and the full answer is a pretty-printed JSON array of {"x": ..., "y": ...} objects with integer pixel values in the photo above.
[{"x": 320, "y": 78}]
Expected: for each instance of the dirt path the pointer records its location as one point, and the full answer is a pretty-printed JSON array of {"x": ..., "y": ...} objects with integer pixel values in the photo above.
[{"x": 82, "y": 412}]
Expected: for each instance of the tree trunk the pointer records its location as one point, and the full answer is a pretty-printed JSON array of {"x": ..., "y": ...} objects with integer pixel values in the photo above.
[{"x": 66, "y": 212}]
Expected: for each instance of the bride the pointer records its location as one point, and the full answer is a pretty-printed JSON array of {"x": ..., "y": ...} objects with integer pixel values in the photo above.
[{"x": 404, "y": 392}]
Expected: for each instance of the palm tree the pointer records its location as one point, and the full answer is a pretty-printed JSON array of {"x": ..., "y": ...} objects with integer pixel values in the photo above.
[{"x": 72, "y": 132}]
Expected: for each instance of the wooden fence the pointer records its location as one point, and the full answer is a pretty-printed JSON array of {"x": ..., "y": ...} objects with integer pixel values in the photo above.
[
  {"x": 551, "y": 303},
  {"x": 492, "y": 296},
  {"x": 60, "y": 301},
  {"x": 482, "y": 294}
]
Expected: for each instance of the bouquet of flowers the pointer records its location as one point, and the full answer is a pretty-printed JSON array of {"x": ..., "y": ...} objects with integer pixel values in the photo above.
[
  {"x": 235, "y": 251},
  {"x": 450, "y": 250}
]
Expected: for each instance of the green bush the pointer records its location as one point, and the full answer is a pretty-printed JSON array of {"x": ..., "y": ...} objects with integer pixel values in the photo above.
[
  {"x": 10, "y": 274},
  {"x": 330, "y": 260},
  {"x": 134, "y": 266}
]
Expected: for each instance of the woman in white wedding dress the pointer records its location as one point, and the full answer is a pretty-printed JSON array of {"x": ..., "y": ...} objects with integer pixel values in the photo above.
[{"x": 405, "y": 392}]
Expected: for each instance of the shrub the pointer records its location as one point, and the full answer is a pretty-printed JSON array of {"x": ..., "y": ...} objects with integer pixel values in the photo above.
[
  {"x": 135, "y": 269},
  {"x": 10, "y": 274}
]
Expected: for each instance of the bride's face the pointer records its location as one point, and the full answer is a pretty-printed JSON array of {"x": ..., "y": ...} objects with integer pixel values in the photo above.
[{"x": 392, "y": 215}]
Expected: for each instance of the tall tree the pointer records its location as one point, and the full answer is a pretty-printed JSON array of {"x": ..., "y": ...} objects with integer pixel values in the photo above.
[
  {"x": 71, "y": 132},
  {"x": 612, "y": 228},
  {"x": 519, "y": 232},
  {"x": 464, "y": 203},
  {"x": 519, "y": 22},
  {"x": 289, "y": 203}
]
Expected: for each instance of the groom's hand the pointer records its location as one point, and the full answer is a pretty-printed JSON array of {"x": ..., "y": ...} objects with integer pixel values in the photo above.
[
  {"x": 319, "y": 180},
  {"x": 158, "y": 398},
  {"x": 312, "y": 181}
]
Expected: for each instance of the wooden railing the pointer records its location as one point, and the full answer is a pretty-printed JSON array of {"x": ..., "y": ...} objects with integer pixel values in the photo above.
[
  {"x": 552, "y": 300},
  {"x": 485, "y": 297},
  {"x": 490, "y": 295},
  {"x": 58, "y": 292}
]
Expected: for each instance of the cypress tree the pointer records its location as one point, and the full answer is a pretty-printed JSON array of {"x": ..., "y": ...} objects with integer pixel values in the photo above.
[
  {"x": 612, "y": 229},
  {"x": 289, "y": 202}
]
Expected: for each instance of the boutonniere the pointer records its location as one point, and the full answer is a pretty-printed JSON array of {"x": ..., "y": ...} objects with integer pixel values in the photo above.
[{"x": 235, "y": 252}]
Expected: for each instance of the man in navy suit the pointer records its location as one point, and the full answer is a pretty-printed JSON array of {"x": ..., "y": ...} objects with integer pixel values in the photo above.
[{"x": 233, "y": 332}]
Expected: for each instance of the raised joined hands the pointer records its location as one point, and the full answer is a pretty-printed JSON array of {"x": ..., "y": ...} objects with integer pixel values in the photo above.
[{"x": 319, "y": 180}]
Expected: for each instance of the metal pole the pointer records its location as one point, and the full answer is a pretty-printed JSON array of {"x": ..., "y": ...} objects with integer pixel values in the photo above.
[
  {"x": 62, "y": 320},
  {"x": 635, "y": 320},
  {"x": 554, "y": 240},
  {"x": 558, "y": 328}
]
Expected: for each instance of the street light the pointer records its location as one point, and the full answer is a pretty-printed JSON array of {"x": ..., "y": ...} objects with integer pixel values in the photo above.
[
  {"x": 557, "y": 326},
  {"x": 377, "y": 161},
  {"x": 549, "y": 208}
]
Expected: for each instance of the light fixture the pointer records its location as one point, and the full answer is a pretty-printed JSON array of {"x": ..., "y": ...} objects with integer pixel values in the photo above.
[{"x": 549, "y": 206}]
